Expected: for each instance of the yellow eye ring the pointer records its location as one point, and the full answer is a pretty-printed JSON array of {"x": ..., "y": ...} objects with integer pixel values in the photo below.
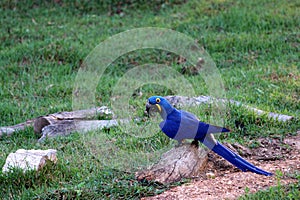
[{"x": 157, "y": 100}]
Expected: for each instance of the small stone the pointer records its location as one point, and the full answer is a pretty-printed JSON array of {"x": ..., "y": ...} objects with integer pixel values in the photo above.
[
  {"x": 210, "y": 175},
  {"x": 29, "y": 159}
]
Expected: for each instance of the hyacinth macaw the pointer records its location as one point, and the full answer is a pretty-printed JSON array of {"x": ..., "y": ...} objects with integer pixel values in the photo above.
[{"x": 180, "y": 125}]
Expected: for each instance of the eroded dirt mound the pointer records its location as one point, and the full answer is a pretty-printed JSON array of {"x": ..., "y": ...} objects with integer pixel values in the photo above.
[{"x": 221, "y": 180}]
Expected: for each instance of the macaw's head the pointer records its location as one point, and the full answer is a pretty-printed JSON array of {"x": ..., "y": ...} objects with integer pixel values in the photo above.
[{"x": 158, "y": 104}]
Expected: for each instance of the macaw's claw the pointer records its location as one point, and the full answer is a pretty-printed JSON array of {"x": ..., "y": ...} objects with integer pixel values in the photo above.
[
  {"x": 195, "y": 143},
  {"x": 179, "y": 144}
]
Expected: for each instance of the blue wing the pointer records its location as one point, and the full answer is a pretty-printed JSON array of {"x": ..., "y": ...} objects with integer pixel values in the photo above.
[
  {"x": 202, "y": 128},
  {"x": 181, "y": 125}
]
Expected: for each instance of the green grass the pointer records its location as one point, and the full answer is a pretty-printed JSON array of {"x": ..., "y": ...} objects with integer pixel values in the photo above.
[
  {"x": 277, "y": 192},
  {"x": 255, "y": 45}
]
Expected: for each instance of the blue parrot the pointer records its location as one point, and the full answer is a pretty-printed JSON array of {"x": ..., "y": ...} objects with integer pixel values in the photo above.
[{"x": 180, "y": 125}]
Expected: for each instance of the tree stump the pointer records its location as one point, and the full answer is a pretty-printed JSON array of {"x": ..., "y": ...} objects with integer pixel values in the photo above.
[{"x": 186, "y": 161}]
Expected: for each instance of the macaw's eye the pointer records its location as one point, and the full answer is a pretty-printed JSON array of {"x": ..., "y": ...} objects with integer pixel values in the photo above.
[{"x": 157, "y": 100}]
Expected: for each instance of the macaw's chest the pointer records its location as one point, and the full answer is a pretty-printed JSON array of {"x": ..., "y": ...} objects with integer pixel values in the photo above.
[
  {"x": 170, "y": 128},
  {"x": 179, "y": 127}
]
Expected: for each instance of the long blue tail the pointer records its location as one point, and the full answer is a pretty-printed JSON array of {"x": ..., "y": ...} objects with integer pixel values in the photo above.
[{"x": 237, "y": 161}]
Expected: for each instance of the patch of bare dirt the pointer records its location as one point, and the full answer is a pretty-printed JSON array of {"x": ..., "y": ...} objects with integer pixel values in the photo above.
[{"x": 221, "y": 180}]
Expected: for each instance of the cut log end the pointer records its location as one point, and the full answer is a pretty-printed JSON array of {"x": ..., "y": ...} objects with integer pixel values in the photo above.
[
  {"x": 186, "y": 161},
  {"x": 39, "y": 124}
]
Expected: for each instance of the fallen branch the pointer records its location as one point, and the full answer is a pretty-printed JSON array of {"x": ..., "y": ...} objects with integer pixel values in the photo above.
[
  {"x": 194, "y": 101},
  {"x": 8, "y": 130}
]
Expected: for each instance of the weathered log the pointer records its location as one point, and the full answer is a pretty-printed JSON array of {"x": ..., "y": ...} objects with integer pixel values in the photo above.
[
  {"x": 66, "y": 127},
  {"x": 194, "y": 101},
  {"x": 67, "y": 119},
  {"x": 63, "y": 123},
  {"x": 42, "y": 121},
  {"x": 185, "y": 161}
]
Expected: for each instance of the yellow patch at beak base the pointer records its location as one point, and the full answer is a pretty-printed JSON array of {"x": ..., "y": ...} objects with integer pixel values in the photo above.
[{"x": 158, "y": 106}]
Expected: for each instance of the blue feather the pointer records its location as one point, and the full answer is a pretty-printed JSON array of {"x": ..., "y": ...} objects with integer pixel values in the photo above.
[{"x": 237, "y": 160}]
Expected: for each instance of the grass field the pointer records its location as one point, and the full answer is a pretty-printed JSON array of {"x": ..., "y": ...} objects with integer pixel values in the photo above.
[{"x": 255, "y": 45}]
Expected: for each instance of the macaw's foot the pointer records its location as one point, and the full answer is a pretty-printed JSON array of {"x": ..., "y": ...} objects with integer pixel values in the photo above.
[{"x": 195, "y": 143}]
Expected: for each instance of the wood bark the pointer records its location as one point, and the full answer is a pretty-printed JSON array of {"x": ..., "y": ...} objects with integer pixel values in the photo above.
[
  {"x": 186, "y": 161},
  {"x": 63, "y": 123},
  {"x": 29, "y": 159}
]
